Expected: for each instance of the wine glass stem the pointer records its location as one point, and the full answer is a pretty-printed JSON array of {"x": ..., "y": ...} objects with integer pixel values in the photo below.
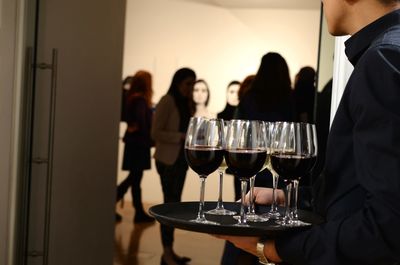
[
  {"x": 220, "y": 204},
  {"x": 251, "y": 199},
  {"x": 294, "y": 216},
  {"x": 242, "y": 219},
  {"x": 200, "y": 214},
  {"x": 275, "y": 179},
  {"x": 288, "y": 191}
]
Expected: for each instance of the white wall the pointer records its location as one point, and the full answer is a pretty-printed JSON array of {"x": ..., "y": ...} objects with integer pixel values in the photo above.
[
  {"x": 220, "y": 45},
  {"x": 326, "y": 61}
]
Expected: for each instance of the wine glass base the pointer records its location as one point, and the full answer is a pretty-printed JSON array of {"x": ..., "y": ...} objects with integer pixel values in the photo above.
[
  {"x": 252, "y": 218},
  {"x": 298, "y": 223},
  {"x": 291, "y": 223},
  {"x": 256, "y": 218},
  {"x": 273, "y": 215},
  {"x": 237, "y": 217},
  {"x": 204, "y": 221},
  {"x": 285, "y": 223},
  {"x": 220, "y": 211},
  {"x": 242, "y": 224}
]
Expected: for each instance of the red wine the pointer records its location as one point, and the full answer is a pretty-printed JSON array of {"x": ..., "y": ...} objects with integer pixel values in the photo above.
[
  {"x": 292, "y": 167},
  {"x": 204, "y": 160},
  {"x": 245, "y": 163}
]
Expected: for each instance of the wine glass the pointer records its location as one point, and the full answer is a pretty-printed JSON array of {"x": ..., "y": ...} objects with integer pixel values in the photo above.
[
  {"x": 309, "y": 136},
  {"x": 245, "y": 155},
  {"x": 204, "y": 153},
  {"x": 293, "y": 155},
  {"x": 220, "y": 209},
  {"x": 264, "y": 141},
  {"x": 274, "y": 212}
]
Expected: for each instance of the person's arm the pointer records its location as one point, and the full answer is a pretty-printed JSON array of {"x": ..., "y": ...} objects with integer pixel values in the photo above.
[
  {"x": 371, "y": 234},
  {"x": 159, "y": 127}
]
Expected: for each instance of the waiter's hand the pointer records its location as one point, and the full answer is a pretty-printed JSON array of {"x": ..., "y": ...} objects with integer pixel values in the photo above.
[{"x": 263, "y": 196}]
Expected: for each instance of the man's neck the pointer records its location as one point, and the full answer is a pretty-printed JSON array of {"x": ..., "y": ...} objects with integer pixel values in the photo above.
[{"x": 366, "y": 12}]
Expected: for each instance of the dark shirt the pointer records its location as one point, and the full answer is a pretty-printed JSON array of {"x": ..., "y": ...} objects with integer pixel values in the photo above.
[
  {"x": 227, "y": 113},
  {"x": 359, "y": 192},
  {"x": 322, "y": 123},
  {"x": 247, "y": 109},
  {"x": 304, "y": 94}
]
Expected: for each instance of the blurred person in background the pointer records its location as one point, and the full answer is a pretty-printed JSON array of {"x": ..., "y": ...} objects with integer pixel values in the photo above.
[
  {"x": 201, "y": 97},
  {"x": 245, "y": 86},
  {"x": 170, "y": 123},
  {"x": 232, "y": 101},
  {"x": 270, "y": 97},
  {"x": 304, "y": 94},
  {"x": 136, "y": 159}
]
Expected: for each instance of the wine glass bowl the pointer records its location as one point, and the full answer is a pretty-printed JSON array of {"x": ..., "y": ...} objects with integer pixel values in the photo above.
[
  {"x": 245, "y": 163},
  {"x": 204, "y": 160},
  {"x": 292, "y": 166}
]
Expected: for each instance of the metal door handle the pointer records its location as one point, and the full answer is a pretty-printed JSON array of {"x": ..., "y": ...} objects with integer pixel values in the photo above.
[
  {"x": 49, "y": 186},
  {"x": 50, "y": 149}
]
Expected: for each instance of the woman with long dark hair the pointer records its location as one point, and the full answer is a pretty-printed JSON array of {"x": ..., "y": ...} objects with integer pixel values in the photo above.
[
  {"x": 170, "y": 124},
  {"x": 270, "y": 96}
]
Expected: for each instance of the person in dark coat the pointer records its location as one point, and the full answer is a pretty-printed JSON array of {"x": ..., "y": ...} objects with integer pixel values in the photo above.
[
  {"x": 304, "y": 94},
  {"x": 358, "y": 193},
  {"x": 138, "y": 115}
]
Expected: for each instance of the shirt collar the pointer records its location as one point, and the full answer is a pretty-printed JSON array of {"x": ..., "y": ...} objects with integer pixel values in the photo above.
[{"x": 360, "y": 41}]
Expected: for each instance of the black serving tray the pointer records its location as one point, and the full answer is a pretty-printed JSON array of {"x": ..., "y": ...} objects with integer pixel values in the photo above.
[{"x": 179, "y": 215}]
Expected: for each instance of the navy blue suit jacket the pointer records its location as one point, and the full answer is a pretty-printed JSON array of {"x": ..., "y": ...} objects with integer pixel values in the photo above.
[{"x": 359, "y": 191}]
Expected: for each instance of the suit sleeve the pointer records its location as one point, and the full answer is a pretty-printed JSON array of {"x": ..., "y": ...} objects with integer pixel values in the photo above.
[{"x": 372, "y": 234}]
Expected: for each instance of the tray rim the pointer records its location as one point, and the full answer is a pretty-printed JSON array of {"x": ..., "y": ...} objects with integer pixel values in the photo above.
[{"x": 254, "y": 229}]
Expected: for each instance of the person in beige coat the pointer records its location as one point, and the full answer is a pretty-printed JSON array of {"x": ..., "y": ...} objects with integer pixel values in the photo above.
[{"x": 170, "y": 123}]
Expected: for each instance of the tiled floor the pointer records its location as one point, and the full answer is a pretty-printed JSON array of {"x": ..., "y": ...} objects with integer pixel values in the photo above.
[{"x": 140, "y": 244}]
